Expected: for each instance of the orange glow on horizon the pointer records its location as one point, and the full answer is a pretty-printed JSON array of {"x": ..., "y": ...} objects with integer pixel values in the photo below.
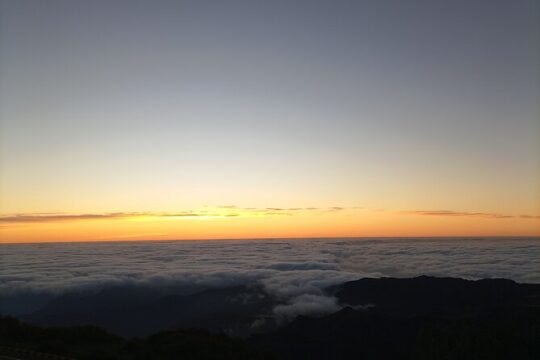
[{"x": 236, "y": 223}]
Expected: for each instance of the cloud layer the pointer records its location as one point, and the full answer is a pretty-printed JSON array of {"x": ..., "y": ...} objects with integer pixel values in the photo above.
[{"x": 294, "y": 271}]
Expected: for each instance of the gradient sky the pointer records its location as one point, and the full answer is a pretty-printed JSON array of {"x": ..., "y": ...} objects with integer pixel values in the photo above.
[{"x": 194, "y": 119}]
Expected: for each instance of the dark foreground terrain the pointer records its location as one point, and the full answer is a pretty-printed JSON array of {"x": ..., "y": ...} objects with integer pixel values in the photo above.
[{"x": 418, "y": 318}]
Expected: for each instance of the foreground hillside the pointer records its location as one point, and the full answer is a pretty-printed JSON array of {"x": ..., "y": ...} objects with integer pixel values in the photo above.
[
  {"x": 91, "y": 343},
  {"x": 419, "y": 318},
  {"x": 386, "y": 318}
]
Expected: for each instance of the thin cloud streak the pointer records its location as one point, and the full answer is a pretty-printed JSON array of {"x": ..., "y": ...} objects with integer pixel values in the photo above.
[
  {"x": 223, "y": 211},
  {"x": 229, "y": 211},
  {"x": 467, "y": 214},
  {"x": 23, "y": 218},
  {"x": 530, "y": 216},
  {"x": 238, "y": 212}
]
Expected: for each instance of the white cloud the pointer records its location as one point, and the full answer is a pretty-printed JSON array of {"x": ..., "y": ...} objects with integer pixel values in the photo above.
[
  {"x": 293, "y": 271},
  {"x": 306, "y": 304}
]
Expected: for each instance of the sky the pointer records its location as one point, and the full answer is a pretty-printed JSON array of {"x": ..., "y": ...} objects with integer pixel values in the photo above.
[{"x": 124, "y": 120}]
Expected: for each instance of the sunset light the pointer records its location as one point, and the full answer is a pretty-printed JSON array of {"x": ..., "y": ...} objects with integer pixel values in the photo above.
[{"x": 270, "y": 179}]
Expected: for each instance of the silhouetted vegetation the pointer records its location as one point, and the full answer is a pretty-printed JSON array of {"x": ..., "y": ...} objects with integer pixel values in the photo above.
[{"x": 92, "y": 343}]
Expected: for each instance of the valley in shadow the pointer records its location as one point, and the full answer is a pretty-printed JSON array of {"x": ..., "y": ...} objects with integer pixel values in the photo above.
[{"x": 376, "y": 318}]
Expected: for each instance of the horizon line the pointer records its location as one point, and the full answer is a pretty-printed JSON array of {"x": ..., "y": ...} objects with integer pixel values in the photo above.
[{"x": 421, "y": 237}]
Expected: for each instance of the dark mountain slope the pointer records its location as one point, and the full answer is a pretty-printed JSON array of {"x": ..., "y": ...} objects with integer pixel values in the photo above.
[
  {"x": 90, "y": 343},
  {"x": 424, "y": 294},
  {"x": 420, "y": 318},
  {"x": 141, "y": 312}
]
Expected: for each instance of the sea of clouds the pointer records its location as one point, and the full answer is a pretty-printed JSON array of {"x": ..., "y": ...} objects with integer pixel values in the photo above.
[{"x": 294, "y": 271}]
